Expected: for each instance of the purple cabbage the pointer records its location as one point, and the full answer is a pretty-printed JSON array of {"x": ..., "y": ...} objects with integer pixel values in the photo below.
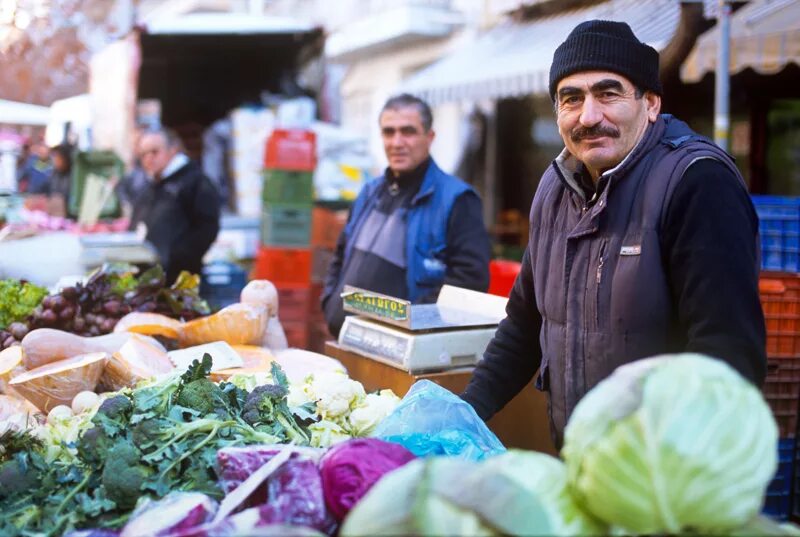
[
  {"x": 176, "y": 514},
  {"x": 351, "y": 468}
]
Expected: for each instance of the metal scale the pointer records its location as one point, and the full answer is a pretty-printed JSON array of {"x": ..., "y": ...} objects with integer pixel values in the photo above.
[{"x": 451, "y": 333}]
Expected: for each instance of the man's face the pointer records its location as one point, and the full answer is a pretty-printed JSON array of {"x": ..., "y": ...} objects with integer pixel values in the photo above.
[
  {"x": 600, "y": 119},
  {"x": 405, "y": 140},
  {"x": 155, "y": 154}
]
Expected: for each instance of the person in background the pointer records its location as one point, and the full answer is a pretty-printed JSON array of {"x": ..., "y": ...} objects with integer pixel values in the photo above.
[
  {"x": 643, "y": 240},
  {"x": 414, "y": 228},
  {"x": 61, "y": 173},
  {"x": 179, "y": 207},
  {"x": 34, "y": 176}
]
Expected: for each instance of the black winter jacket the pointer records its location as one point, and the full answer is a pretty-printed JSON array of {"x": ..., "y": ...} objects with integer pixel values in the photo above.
[{"x": 181, "y": 212}]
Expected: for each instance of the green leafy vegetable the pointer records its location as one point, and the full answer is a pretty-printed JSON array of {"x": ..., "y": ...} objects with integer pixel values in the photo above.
[{"x": 18, "y": 299}]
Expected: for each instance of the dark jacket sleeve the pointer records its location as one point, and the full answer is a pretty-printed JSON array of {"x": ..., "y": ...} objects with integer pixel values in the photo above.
[
  {"x": 202, "y": 209},
  {"x": 468, "y": 248},
  {"x": 513, "y": 356},
  {"x": 710, "y": 246}
]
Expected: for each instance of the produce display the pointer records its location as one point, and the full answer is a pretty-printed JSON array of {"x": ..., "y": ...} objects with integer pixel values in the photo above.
[
  {"x": 126, "y": 428},
  {"x": 92, "y": 467},
  {"x": 94, "y": 307}
]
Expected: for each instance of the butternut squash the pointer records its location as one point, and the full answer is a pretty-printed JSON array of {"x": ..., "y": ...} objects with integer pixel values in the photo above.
[
  {"x": 237, "y": 324},
  {"x": 261, "y": 293},
  {"x": 149, "y": 324},
  {"x": 45, "y": 345},
  {"x": 136, "y": 360},
  {"x": 56, "y": 383},
  {"x": 10, "y": 366}
]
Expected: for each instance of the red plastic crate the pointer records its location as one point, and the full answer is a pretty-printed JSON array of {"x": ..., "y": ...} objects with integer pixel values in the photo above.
[
  {"x": 283, "y": 266},
  {"x": 502, "y": 274},
  {"x": 326, "y": 226},
  {"x": 320, "y": 260},
  {"x": 294, "y": 150},
  {"x": 317, "y": 336},
  {"x": 780, "y": 299},
  {"x": 294, "y": 302},
  {"x": 296, "y": 333}
]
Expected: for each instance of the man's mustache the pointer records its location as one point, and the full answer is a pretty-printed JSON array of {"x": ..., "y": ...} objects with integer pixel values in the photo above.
[{"x": 580, "y": 133}]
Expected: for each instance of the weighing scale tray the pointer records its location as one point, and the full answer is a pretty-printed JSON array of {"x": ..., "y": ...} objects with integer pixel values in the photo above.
[{"x": 435, "y": 317}]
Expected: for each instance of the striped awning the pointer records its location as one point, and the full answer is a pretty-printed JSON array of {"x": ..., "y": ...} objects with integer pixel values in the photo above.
[
  {"x": 513, "y": 59},
  {"x": 765, "y": 37}
]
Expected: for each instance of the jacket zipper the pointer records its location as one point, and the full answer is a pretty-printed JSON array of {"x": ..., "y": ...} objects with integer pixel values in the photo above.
[{"x": 602, "y": 261}]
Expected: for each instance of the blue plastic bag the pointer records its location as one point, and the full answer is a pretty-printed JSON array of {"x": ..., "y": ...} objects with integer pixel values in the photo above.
[{"x": 431, "y": 420}]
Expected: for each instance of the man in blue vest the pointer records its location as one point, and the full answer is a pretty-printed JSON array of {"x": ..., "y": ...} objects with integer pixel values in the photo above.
[
  {"x": 412, "y": 229},
  {"x": 643, "y": 239}
]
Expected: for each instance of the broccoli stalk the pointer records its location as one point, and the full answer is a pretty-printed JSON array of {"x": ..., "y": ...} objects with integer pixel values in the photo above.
[{"x": 267, "y": 405}]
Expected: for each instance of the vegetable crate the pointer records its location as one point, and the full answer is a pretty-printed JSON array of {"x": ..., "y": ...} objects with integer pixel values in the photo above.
[
  {"x": 284, "y": 224},
  {"x": 294, "y": 150},
  {"x": 294, "y": 302},
  {"x": 296, "y": 333},
  {"x": 782, "y": 392},
  {"x": 778, "y": 501},
  {"x": 779, "y": 225},
  {"x": 780, "y": 299},
  {"x": 285, "y": 186},
  {"x": 222, "y": 283},
  {"x": 326, "y": 226},
  {"x": 283, "y": 266}
]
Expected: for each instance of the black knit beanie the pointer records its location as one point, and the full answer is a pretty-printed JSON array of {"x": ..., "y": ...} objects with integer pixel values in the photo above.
[{"x": 606, "y": 46}]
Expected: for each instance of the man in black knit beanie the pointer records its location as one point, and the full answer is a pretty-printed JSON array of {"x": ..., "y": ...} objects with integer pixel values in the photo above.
[{"x": 643, "y": 239}]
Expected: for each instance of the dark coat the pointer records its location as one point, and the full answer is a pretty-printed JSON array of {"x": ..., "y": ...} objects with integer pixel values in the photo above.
[{"x": 182, "y": 216}]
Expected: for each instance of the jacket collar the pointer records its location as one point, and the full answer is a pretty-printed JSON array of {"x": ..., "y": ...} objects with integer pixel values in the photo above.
[{"x": 428, "y": 183}]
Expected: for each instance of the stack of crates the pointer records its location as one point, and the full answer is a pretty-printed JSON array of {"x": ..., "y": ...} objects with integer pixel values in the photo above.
[
  {"x": 284, "y": 253},
  {"x": 779, "y": 287},
  {"x": 327, "y": 222}
]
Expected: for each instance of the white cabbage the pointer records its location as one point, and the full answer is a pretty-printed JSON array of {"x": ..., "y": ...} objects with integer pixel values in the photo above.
[{"x": 672, "y": 443}]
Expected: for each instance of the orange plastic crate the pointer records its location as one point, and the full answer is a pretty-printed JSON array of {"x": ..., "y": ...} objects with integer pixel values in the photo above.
[
  {"x": 326, "y": 226},
  {"x": 296, "y": 333},
  {"x": 294, "y": 150},
  {"x": 294, "y": 302},
  {"x": 283, "y": 266},
  {"x": 780, "y": 299}
]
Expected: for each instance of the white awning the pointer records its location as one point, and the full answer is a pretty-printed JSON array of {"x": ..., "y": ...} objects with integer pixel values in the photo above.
[
  {"x": 765, "y": 36},
  {"x": 513, "y": 59},
  {"x": 15, "y": 113},
  {"x": 225, "y": 23}
]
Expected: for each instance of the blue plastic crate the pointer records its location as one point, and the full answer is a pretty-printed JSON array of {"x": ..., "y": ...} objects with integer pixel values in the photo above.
[
  {"x": 778, "y": 500},
  {"x": 221, "y": 283},
  {"x": 779, "y": 225}
]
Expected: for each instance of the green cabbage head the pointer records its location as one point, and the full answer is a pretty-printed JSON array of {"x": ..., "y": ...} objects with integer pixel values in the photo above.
[
  {"x": 672, "y": 443},
  {"x": 546, "y": 477}
]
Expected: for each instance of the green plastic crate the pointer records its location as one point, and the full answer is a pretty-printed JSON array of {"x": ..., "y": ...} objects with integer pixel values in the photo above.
[
  {"x": 283, "y": 186},
  {"x": 105, "y": 164},
  {"x": 285, "y": 224}
]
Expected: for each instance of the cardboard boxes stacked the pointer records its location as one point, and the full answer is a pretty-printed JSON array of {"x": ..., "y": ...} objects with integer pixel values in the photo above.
[
  {"x": 779, "y": 287},
  {"x": 284, "y": 253}
]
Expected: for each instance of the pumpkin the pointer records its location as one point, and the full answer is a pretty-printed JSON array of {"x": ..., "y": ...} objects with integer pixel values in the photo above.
[
  {"x": 45, "y": 345},
  {"x": 136, "y": 360},
  {"x": 261, "y": 293},
  {"x": 149, "y": 324},
  {"x": 254, "y": 360},
  {"x": 58, "y": 382},
  {"x": 10, "y": 365},
  {"x": 237, "y": 324}
]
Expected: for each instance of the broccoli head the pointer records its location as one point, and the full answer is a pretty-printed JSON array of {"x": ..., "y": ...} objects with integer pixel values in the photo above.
[
  {"x": 261, "y": 405},
  {"x": 201, "y": 395},
  {"x": 117, "y": 408},
  {"x": 124, "y": 475},
  {"x": 93, "y": 445},
  {"x": 149, "y": 432},
  {"x": 16, "y": 477}
]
